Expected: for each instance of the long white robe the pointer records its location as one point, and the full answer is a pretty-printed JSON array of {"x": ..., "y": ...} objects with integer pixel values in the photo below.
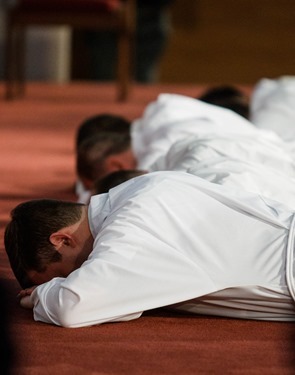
[
  {"x": 172, "y": 118},
  {"x": 249, "y": 176},
  {"x": 272, "y": 107},
  {"x": 171, "y": 238},
  {"x": 193, "y": 150},
  {"x": 241, "y": 162}
]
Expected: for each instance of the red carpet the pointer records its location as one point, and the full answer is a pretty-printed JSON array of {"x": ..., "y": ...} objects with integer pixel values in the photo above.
[{"x": 37, "y": 160}]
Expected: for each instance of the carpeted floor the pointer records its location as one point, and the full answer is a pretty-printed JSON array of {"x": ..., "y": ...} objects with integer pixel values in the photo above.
[{"x": 37, "y": 160}]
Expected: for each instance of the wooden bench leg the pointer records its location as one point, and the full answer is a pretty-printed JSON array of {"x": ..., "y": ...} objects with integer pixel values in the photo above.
[
  {"x": 123, "y": 68},
  {"x": 15, "y": 62},
  {"x": 21, "y": 62}
]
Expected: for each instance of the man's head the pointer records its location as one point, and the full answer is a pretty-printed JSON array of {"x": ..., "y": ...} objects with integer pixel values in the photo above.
[
  {"x": 98, "y": 124},
  {"x": 227, "y": 97},
  {"x": 105, "y": 153},
  {"x": 103, "y": 185},
  {"x": 46, "y": 238}
]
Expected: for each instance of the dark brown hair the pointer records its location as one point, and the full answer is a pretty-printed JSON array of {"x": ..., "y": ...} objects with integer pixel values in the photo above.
[
  {"x": 27, "y": 236},
  {"x": 93, "y": 151},
  {"x": 228, "y": 97},
  {"x": 113, "y": 179},
  {"x": 102, "y": 123}
]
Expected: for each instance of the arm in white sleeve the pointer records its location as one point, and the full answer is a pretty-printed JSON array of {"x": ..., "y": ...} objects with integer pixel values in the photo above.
[{"x": 56, "y": 304}]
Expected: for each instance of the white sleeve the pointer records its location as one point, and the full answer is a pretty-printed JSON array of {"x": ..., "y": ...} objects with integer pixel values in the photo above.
[{"x": 52, "y": 301}]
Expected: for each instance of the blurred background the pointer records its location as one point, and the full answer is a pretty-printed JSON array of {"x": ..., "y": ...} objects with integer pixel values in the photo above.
[{"x": 206, "y": 41}]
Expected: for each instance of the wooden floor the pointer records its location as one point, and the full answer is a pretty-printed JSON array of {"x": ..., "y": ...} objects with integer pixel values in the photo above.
[{"x": 37, "y": 160}]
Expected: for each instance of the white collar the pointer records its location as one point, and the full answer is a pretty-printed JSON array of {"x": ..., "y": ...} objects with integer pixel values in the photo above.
[{"x": 98, "y": 210}]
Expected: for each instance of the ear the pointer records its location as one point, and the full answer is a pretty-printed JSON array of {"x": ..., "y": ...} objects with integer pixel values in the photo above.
[
  {"x": 60, "y": 239},
  {"x": 87, "y": 183},
  {"x": 114, "y": 163}
]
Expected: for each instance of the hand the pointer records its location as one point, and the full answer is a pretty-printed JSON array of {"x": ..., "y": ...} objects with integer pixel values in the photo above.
[{"x": 25, "y": 298}]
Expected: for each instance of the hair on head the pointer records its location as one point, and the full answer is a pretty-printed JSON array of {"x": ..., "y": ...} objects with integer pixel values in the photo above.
[{"x": 27, "y": 236}]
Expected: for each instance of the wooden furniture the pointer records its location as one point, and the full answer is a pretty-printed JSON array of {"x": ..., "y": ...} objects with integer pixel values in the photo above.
[{"x": 114, "y": 15}]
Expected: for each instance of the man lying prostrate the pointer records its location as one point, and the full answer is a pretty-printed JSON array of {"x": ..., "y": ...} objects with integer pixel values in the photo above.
[
  {"x": 272, "y": 107},
  {"x": 164, "y": 239},
  {"x": 248, "y": 176},
  {"x": 242, "y": 162},
  {"x": 170, "y": 119},
  {"x": 194, "y": 151},
  {"x": 236, "y": 174},
  {"x": 239, "y": 162}
]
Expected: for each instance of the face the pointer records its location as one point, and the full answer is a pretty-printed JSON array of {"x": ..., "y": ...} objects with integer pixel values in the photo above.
[
  {"x": 72, "y": 259},
  {"x": 74, "y": 243},
  {"x": 56, "y": 269}
]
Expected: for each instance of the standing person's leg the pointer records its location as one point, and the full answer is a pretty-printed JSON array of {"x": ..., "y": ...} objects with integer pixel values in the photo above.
[
  {"x": 153, "y": 29},
  {"x": 152, "y": 32}
]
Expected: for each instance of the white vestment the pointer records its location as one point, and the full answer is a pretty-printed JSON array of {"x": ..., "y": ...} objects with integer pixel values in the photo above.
[
  {"x": 272, "y": 107},
  {"x": 194, "y": 150},
  {"x": 172, "y": 118},
  {"x": 248, "y": 176},
  {"x": 172, "y": 239},
  {"x": 242, "y": 162}
]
